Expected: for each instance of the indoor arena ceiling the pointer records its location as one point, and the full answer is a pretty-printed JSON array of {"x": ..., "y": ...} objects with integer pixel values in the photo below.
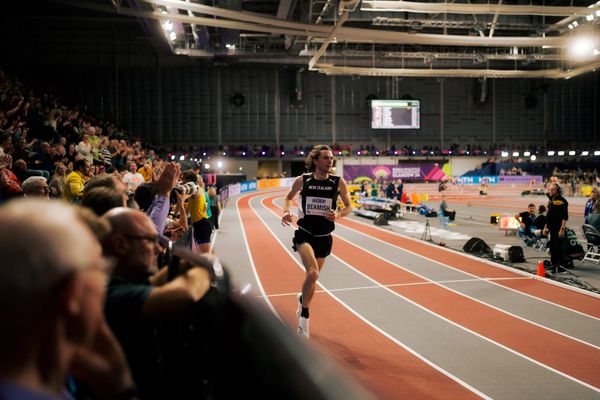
[{"x": 457, "y": 38}]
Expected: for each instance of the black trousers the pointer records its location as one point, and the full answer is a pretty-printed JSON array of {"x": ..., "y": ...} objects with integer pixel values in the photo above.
[{"x": 556, "y": 245}]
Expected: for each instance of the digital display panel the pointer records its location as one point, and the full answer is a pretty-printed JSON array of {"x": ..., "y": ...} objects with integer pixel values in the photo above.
[{"x": 395, "y": 114}]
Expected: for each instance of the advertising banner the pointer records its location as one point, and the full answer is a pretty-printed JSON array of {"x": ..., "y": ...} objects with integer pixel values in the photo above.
[
  {"x": 234, "y": 189},
  {"x": 476, "y": 180},
  {"x": 535, "y": 179},
  {"x": 247, "y": 186},
  {"x": 269, "y": 183},
  {"x": 412, "y": 172}
]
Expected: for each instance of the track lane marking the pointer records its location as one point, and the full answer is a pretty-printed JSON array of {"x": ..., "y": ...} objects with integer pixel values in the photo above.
[
  {"x": 427, "y": 368},
  {"x": 587, "y": 364}
]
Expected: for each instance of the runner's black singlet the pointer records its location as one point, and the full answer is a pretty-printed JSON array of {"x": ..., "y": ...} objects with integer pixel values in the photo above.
[{"x": 316, "y": 198}]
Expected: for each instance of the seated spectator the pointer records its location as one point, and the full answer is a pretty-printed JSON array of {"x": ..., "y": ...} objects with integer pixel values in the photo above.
[
  {"x": 57, "y": 328},
  {"x": 22, "y": 172},
  {"x": 526, "y": 219},
  {"x": 139, "y": 295},
  {"x": 589, "y": 205},
  {"x": 594, "y": 217},
  {"x": 10, "y": 186},
  {"x": 57, "y": 182},
  {"x": 36, "y": 186},
  {"x": 445, "y": 211},
  {"x": 540, "y": 221}
]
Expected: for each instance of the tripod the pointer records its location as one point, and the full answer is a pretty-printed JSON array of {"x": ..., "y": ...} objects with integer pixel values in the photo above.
[
  {"x": 427, "y": 232},
  {"x": 555, "y": 270}
]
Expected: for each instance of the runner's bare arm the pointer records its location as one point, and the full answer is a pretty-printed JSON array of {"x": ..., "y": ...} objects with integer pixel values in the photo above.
[
  {"x": 286, "y": 219},
  {"x": 345, "y": 196}
]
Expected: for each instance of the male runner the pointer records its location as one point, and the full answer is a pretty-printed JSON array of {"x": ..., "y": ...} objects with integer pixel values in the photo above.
[{"x": 316, "y": 215}]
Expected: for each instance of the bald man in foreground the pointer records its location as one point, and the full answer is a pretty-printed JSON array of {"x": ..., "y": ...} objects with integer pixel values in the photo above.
[
  {"x": 52, "y": 286},
  {"x": 139, "y": 295}
]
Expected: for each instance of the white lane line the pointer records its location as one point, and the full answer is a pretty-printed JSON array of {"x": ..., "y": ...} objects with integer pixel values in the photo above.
[
  {"x": 348, "y": 289},
  {"x": 517, "y": 272},
  {"x": 366, "y": 321},
  {"x": 487, "y": 262},
  {"x": 247, "y": 247},
  {"x": 466, "y": 295},
  {"x": 589, "y": 386}
]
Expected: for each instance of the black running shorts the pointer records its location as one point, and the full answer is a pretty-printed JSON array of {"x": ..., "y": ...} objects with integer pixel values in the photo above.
[
  {"x": 202, "y": 231},
  {"x": 321, "y": 245}
]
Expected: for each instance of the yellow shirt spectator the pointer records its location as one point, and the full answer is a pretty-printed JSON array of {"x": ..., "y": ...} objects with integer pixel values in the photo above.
[
  {"x": 73, "y": 188},
  {"x": 197, "y": 206},
  {"x": 146, "y": 172}
]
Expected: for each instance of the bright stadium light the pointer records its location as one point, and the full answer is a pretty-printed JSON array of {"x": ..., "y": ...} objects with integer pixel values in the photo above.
[
  {"x": 597, "y": 153},
  {"x": 581, "y": 47},
  {"x": 181, "y": 158},
  {"x": 172, "y": 36},
  {"x": 207, "y": 166},
  {"x": 376, "y": 153},
  {"x": 533, "y": 157},
  {"x": 561, "y": 153},
  {"x": 572, "y": 152},
  {"x": 243, "y": 153},
  {"x": 301, "y": 153},
  {"x": 585, "y": 153},
  {"x": 551, "y": 153},
  {"x": 220, "y": 164},
  {"x": 527, "y": 154},
  {"x": 173, "y": 157},
  {"x": 224, "y": 153},
  {"x": 515, "y": 154},
  {"x": 504, "y": 154}
]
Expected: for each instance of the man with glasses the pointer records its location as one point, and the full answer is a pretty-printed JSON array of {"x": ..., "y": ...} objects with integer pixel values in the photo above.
[
  {"x": 140, "y": 296},
  {"x": 52, "y": 294}
]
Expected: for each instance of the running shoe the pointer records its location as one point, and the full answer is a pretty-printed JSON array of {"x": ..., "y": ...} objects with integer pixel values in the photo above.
[{"x": 303, "y": 327}]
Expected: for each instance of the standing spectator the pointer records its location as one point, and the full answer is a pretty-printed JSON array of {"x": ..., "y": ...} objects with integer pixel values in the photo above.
[
  {"x": 104, "y": 155},
  {"x": 399, "y": 189},
  {"x": 146, "y": 171},
  {"x": 390, "y": 190},
  {"x": 556, "y": 223},
  {"x": 132, "y": 179},
  {"x": 84, "y": 149},
  {"x": 589, "y": 205},
  {"x": 215, "y": 205},
  {"x": 76, "y": 180}
]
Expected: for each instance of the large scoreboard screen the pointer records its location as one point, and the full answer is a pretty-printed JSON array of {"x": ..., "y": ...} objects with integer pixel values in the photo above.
[{"x": 395, "y": 114}]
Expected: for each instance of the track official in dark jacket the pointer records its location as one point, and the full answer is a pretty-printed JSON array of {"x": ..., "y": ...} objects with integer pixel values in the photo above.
[{"x": 558, "y": 214}]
